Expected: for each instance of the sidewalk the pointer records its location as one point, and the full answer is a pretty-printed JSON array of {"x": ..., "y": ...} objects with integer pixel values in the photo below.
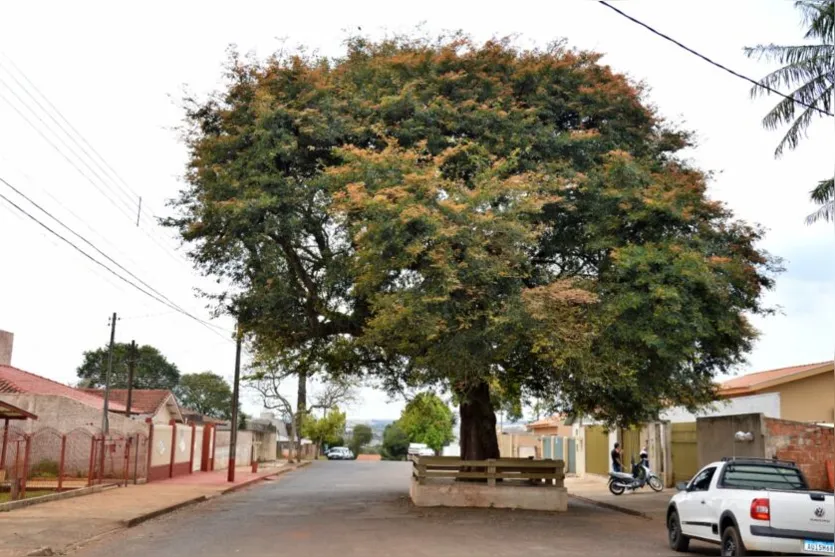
[
  {"x": 65, "y": 523},
  {"x": 644, "y": 502}
]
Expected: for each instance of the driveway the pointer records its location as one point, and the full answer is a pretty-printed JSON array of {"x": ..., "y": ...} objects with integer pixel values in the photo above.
[{"x": 362, "y": 509}]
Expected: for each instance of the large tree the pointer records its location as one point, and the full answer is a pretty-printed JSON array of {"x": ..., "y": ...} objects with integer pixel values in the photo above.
[
  {"x": 473, "y": 218},
  {"x": 207, "y": 393},
  {"x": 152, "y": 370},
  {"x": 427, "y": 419},
  {"x": 808, "y": 71}
]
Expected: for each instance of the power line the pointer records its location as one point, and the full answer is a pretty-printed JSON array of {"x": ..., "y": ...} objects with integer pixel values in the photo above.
[
  {"x": 161, "y": 299},
  {"x": 709, "y": 61},
  {"x": 127, "y": 207}
]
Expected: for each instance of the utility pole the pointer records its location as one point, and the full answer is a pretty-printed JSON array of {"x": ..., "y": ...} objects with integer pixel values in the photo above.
[
  {"x": 233, "y": 438},
  {"x": 131, "y": 367},
  {"x": 105, "y": 423}
]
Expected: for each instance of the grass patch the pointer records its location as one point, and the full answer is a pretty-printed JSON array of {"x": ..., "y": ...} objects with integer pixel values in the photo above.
[{"x": 6, "y": 496}]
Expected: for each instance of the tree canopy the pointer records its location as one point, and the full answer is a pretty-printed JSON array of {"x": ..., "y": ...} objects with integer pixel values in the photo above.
[
  {"x": 326, "y": 430},
  {"x": 360, "y": 437},
  {"x": 471, "y": 217},
  {"x": 427, "y": 419},
  {"x": 152, "y": 371},
  {"x": 395, "y": 442},
  {"x": 207, "y": 393}
]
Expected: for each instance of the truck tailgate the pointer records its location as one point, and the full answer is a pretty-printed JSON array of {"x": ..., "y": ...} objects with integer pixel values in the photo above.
[{"x": 807, "y": 513}]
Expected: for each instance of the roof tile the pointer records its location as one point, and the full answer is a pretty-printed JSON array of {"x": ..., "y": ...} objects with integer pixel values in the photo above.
[
  {"x": 143, "y": 401},
  {"x": 751, "y": 380},
  {"x": 13, "y": 380}
]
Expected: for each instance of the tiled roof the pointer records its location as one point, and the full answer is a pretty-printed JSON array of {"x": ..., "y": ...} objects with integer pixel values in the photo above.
[
  {"x": 143, "y": 401},
  {"x": 551, "y": 421},
  {"x": 752, "y": 381},
  {"x": 17, "y": 381}
]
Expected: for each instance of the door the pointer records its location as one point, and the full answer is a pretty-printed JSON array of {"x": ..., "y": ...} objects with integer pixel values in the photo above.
[
  {"x": 597, "y": 450},
  {"x": 631, "y": 445},
  {"x": 571, "y": 465},
  {"x": 695, "y": 512},
  {"x": 683, "y": 451}
]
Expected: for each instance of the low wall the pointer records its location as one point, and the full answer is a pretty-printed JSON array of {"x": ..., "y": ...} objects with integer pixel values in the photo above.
[
  {"x": 715, "y": 437},
  {"x": 182, "y": 442},
  {"x": 810, "y": 446},
  {"x": 469, "y": 494}
]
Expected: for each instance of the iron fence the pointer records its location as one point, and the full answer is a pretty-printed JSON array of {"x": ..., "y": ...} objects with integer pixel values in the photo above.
[{"x": 47, "y": 460}]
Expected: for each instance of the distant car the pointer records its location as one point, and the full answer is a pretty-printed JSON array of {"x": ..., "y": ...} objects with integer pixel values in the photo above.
[
  {"x": 340, "y": 453},
  {"x": 419, "y": 449}
]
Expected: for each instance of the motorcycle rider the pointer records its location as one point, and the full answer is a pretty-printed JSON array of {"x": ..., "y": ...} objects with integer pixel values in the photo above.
[
  {"x": 617, "y": 464},
  {"x": 645, "y": 458}
]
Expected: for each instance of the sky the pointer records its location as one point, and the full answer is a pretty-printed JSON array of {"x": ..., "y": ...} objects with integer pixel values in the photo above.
[{"x": 115, "y": 71}]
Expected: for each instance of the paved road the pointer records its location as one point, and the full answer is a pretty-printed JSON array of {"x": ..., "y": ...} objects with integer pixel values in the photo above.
[{"x": 362, "y": 509}]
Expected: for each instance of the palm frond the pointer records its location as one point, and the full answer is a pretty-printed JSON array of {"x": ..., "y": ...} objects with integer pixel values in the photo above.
[
  {"x": 823, "y": 195},
  {"x": 784, "y": 112},
  {"x": 790, "y": 54},
  {"x": 823, "y": 192}
]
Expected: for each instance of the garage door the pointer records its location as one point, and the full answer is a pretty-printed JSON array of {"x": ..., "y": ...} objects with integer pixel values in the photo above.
[{"x": 597, "y": 450}]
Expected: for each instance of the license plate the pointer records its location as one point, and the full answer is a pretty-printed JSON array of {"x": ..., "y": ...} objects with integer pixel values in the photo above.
[{"x": 824, "y": 548}]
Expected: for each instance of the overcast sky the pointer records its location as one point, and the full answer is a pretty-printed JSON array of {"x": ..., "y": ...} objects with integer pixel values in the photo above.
[{"x": 112, "y": 69}]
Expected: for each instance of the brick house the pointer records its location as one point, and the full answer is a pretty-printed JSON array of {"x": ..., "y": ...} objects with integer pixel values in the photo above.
[{"x": 806, "y": 392}]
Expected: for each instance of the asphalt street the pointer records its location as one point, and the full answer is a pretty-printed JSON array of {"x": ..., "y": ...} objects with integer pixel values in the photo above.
[{"x": 362, "y": 509}]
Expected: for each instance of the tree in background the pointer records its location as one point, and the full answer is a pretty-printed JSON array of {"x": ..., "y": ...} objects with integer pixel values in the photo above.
[
  {"x": 206, "y": 393},
  {"x": 427, "y": 419},
  {"x": 395, "y": 442},
  {"x": 361, "y": 436},
  {"x": 327, "y": 430},
  {"x": 471, "y": 216},
  {"x": 152, "y": 370},
  {"x": 808, "y": 71}
]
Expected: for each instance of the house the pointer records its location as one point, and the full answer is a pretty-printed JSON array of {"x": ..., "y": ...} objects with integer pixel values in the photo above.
[
  {"x": 59, "y": 406},
  {"x": 194, "y": 417},
  {"x": 806, "y": 392},
  {"x": 159, "y": 405},
  {"x": 552, "y": 425}
]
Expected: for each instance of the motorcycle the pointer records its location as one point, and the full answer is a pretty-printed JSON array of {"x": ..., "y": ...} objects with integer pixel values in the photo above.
[{"x": 641, "y": 476}]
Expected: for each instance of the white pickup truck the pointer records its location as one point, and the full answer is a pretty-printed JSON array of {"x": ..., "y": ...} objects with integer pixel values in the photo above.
[{"x": 749, "y": 504}]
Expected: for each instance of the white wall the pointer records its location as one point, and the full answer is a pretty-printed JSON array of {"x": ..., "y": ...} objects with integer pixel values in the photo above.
[{"x": 767, "y": 404}]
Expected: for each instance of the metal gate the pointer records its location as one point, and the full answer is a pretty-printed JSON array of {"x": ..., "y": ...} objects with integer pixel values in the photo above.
[
  {"x": 684, "y": 452},
  {"x": 630, "y": 443},
  {"x": 571, "y": 465},
  {"x": 597, "y": 450}
]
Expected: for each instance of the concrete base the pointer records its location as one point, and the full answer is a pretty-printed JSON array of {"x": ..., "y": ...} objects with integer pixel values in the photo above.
[{"x": 506, "y": 496}]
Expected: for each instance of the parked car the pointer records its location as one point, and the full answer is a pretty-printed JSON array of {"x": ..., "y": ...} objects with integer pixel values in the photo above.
[
  {"x": 340, "y": 453},
  {"x": 419, "y": 449},
  {"x": 752, "y": 504}
]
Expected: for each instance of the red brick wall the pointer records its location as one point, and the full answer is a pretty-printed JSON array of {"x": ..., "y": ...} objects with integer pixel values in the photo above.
[{"x": 810, "y": 446}]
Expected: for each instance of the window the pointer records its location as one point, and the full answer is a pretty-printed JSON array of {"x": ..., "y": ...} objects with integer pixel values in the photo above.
[
  {"x": 763, "y": 476},
  {"x": 702, "y": 480}
]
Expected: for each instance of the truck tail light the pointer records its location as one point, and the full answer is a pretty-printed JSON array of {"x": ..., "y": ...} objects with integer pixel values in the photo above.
[{"x": 761, "y": 509}]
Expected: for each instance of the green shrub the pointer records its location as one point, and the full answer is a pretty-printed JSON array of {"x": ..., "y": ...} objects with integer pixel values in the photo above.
[{"x": 45, "y": 468}]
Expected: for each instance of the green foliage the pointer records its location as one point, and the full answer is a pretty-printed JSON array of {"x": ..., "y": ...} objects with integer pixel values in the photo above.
[
  {"x": 473, "y": 217},
  {"x": 206, "y": 393},
  {"x": 45, "y": 468},
  {"x": 243, "y": 420},
  {"x": 806, "y": 71},
  {"x": 326, "y": 430},
  {"x": 361, "y": 436},
  {"x": 152, "y": 371},
  {"x": 395, "y": 442},
  {"x": 427, "y": 419}
]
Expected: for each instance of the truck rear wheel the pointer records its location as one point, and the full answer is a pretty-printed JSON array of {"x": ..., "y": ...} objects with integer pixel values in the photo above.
[
  {"x": 732, "y": 545},
  {"x": 678, "y": 541}
]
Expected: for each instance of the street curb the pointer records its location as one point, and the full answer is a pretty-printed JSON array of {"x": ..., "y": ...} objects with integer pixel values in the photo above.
[
  {"x": 135, "y": 521},
  {"x": 80, "y": 492},
  {"x": 611, "y": 507},
  {"x": 277, "y": 473}
]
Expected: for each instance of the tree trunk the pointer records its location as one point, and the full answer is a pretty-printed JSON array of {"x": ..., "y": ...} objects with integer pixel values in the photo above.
[
  {"x": 478, "y": 424},
  {"x": 301, "y": 410}
]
